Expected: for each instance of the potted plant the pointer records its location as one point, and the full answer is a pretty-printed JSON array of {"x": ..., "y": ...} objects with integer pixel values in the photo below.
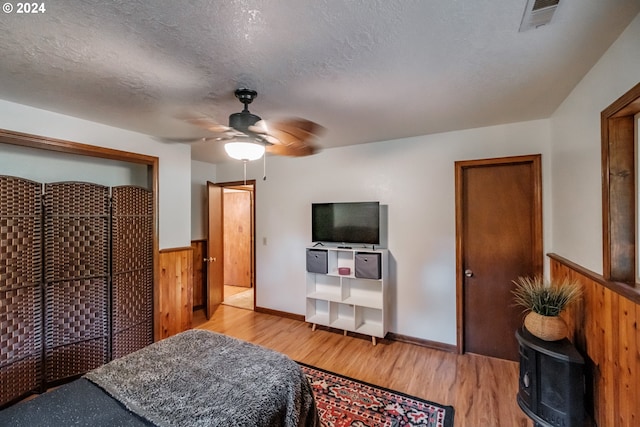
[{"x": 544, "y": 302}]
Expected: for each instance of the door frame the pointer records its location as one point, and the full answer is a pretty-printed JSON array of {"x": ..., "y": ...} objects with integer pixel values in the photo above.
[
  {"x": 214, "y": 290},
  {"x": 241, "y": 185},
  {"x": 536, "y": 161}
]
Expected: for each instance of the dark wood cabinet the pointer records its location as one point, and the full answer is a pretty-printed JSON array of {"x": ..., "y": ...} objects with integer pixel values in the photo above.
[{"x": 551, "y": 383}]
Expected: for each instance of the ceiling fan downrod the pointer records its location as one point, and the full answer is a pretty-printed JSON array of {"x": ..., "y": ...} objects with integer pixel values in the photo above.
[
  {"x": 242, "y": 120},
  {"x": 246, "y": 96}
]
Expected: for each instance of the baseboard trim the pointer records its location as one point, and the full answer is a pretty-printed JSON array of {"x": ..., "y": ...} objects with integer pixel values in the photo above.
[
  {"x": 422, "y": 342},
  {"x": 390, "y": 336},
  {"x": 280, "y": 313}
]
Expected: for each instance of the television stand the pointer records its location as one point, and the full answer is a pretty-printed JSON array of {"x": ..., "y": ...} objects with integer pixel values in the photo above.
[
  {"x": 345, "y": 247},
  {"x": 354, "y": 301}
]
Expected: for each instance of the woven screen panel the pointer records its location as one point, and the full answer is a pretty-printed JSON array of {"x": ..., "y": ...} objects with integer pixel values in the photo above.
[
  {"x": 76, "y": 327},
  {"x": 132, "y": 339},
  {"x": 132, "y": 243},
  {"x": 19, "y": 379},
  {"x": 132, "y": 269},
  {"x": 20, "y": 287},
  {"x": 76, "y": 199},
  {"x": 132, "y": 296},
  {"x": 20, "y": 324},
  {"x": 132, "y": 200},
  {"x": 20, "y": 251},
  {"x": 75, "y": 359},
  {"x": 20, "y": 197},
  {"x": 20, "y": 232},
  {"x": 75, "y": 310},
  {"x": 76, "y": 230},
  {"x": 21, "y": 342},
  {"x": 76, "y": 247},
  {"x": 132, "y": 229}
]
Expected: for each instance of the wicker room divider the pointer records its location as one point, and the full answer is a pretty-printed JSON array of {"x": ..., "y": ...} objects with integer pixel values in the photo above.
[
  {"x": 76, "y": 280},
  {"x": 21, "y": 337},
  {"x": 76, "y": 288},
  {"x": 132, "y": 275}
]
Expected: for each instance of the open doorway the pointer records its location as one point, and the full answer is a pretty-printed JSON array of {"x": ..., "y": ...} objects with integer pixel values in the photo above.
[
  {"x": 231, "y": 245},
  {"x": 238, "y": 238}
]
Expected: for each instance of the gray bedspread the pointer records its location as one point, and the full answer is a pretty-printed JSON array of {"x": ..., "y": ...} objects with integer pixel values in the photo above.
[{"x": 201, "y": 378}]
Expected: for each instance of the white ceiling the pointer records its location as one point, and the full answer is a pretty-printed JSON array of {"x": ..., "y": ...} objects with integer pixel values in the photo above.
[{"x": 367, "y": 70}]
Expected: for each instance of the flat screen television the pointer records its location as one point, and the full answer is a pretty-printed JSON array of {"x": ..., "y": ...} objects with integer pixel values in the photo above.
[{"x": 349, "y": 222}]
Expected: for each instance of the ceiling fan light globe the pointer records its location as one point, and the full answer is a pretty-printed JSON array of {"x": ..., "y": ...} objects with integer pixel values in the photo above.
[{"x": 245, "y": 151}]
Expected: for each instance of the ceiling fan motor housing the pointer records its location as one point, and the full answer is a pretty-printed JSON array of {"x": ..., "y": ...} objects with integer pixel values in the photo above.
[{"x": 242, "y": 121}]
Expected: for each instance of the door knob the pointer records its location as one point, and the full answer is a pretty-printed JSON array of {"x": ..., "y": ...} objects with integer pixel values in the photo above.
[
  {"x": 468, "y": 273},
  {"x": 210, "y": 259}
]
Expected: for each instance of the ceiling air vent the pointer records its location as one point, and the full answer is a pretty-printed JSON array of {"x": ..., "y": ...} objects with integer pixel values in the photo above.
[{"x": 538, "y": 13}]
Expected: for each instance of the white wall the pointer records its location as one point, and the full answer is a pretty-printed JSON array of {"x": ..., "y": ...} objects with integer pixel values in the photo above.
[
  {"x": 576, "y": 166},
  {"x": 414, "y": 177},
  {"x": 201, "y": 172},
  {"x": 50, "y": 166},
  {"x": 174, "y": 160}
]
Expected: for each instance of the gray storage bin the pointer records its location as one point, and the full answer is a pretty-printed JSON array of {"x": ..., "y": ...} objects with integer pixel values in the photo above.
[
  {"x": 368, "y": 265},
  {"x": 317, "y": 261}
]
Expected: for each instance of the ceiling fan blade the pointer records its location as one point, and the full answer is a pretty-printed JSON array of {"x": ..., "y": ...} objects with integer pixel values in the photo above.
[
  {"x": 187, "y": 140},
  {"x": 208, "y": 124},
  {"x": 293, "y": 150},
  {"x": 290, "y": 137},
  {"x": 288, "y": 130},
  {"x": 269, "y": 139},
  {"x": 293, "y": 131},
  {"x": 301, "y": 124},
  {"x": 259, "y": 127}
]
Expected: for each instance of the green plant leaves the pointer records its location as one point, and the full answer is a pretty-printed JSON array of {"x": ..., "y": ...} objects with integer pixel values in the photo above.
[{"x": 543, "y": 297}]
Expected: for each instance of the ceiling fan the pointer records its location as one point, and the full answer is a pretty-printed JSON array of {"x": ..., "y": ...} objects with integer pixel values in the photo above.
[{"x": 248, "y": 136}]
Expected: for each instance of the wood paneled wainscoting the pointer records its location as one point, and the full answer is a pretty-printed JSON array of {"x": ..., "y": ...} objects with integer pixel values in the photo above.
[
  {"x": 605, "y": 330},
  {"x": 174, "y": 311}
]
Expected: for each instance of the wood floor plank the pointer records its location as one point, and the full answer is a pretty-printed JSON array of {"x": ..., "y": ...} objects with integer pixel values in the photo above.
[{"x": 481, "y": 389}]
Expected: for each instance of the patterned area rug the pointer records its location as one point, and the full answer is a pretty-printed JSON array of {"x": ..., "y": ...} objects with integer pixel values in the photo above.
[{"x": 345, "y": 402}]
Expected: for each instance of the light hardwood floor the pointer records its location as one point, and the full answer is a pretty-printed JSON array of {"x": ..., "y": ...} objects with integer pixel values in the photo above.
[{"x": 482, "y": 390}]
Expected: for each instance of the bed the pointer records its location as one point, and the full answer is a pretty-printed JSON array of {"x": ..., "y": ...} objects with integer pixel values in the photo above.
[{"x": 195, "y": 378}]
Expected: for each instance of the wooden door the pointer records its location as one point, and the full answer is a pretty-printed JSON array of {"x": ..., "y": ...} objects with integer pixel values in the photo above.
[
  {"x": 499, "y": 237},
  {"x": 238, "y": 238},
  {"x": 215, "y": 252}
]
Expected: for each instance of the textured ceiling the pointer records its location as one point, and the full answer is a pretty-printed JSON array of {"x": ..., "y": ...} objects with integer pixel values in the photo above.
[{"x": 367, "y": 70}]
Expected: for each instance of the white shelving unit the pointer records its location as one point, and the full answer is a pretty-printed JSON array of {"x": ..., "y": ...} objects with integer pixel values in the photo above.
[{"x": 347, "y": 302}]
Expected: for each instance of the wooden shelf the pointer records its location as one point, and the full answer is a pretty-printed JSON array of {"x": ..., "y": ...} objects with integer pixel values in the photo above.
[{"x": 348, "y": 302}]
